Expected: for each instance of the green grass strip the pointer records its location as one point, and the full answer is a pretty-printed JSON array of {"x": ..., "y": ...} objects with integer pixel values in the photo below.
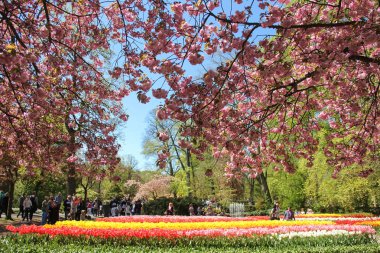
[{"x": 35, "y": 243}]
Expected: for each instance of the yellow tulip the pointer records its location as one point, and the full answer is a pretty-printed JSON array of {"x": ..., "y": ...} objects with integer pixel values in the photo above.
[{"x": 186, "y": 225}]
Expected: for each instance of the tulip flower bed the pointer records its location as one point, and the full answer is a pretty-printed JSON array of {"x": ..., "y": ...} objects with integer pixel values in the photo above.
[
  {"x": 344, "y": 219},
  {"x": 61, "y": 244},
  {"x": 373, "y": 222},
  {"x": 335, "y": 215},
  {"x": 185, "y": 226},
  {"x": 172, "y": 233}
]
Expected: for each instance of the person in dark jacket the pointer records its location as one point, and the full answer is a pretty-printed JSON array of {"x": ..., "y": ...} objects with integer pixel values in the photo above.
[
  {"x": 1, "y": 202},
  {"x": 80, "y": 207},
  {"x": 170, "y": 210},
  {"x": 4, "y": 204},
  {"x": 21, "y": 206},
  {"x": 53, "y": 211},
  {"x": 67, "y": 206},
  {"x": 138, "y": 207},
  {"x": 34, "y": 200}
]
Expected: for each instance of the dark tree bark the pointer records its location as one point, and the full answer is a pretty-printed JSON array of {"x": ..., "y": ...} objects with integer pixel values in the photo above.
[
  {"x": 11, "y": 191},
  {"x": 187, "y": 170},
  {"x": 12, "y": 175},
  {"x": 262, "y": 179},
  {"x": 251, "y": 182},
  {"x": 71, "y": 180}
]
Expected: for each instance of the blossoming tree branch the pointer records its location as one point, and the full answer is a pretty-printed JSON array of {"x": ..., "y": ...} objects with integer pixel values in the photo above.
[
  {"x": 263, "y": 102},
  {"x": 57, "y": 94}
]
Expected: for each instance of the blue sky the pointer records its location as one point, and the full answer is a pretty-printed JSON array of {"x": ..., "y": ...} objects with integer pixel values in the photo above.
[{"x": 132, "y": 135}]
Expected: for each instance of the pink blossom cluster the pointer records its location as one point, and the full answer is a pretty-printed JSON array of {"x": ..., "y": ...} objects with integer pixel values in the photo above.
[
  {"x": 55, "y": 95},
  {"x": 159, "y": 186},
  {"x": 317, "y": 67},
  {"x": 269, "y": 98}
]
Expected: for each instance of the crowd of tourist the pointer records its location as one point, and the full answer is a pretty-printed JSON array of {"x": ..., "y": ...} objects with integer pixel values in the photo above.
[
  {"x": 27, "y": 205},
  {"x": 76, "y": 208},
  {"x": 125, "y": 207}
]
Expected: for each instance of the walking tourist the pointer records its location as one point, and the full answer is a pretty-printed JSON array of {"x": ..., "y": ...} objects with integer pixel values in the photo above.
[
  {"x": 67, "y": 206},
  {"x": 28, "y": 205},
  {"x": 34, "y": 200},
  {"x": 21, "y": 206},
  {"x": 45, "y": 210}
]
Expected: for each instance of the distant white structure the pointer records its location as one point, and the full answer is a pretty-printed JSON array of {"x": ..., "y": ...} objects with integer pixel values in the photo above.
[{"x": 236, "y": 209}]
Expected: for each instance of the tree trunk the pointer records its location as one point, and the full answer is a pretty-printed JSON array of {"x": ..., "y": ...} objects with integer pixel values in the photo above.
[
  {"x": 99, "y": 188},
  {"x": 71, "y": 182},
  {"x": 171, "y": 173},
  {"x": 212, "y": 186},
  {"x": 251, "y": 182},
  {"x": 171, "y": 169},
  {"x": 12, "y": 175},
  {"x": 85, "y": 195},
  {"x": 188, "y": 176},
  {"x": 188, "y": 183},
  {"x": 193, "y": 181},
  {"x": 188, "y": 161},
  {"x": 38, "y": 185},
  {"x": 72, "y": 148},
  {"x": 262, "y": 179},
  {"x": 316, "y": 199},
  {"x": 238, "y": 187},
  {"x": 11, "y": 191}
]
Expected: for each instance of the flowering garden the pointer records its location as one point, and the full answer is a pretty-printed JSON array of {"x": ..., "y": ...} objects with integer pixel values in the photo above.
[
  {"x": 308, "y": 233},
  {"x": 245, "y": 93}
]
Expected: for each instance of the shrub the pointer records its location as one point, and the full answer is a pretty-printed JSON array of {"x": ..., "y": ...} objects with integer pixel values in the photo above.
[
  {"x": 257, "y": 213},
  {"x": 181, "y": 205}
]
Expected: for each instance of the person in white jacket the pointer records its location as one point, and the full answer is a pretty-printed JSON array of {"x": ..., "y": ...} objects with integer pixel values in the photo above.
[{"x": 27, "y": 208}]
